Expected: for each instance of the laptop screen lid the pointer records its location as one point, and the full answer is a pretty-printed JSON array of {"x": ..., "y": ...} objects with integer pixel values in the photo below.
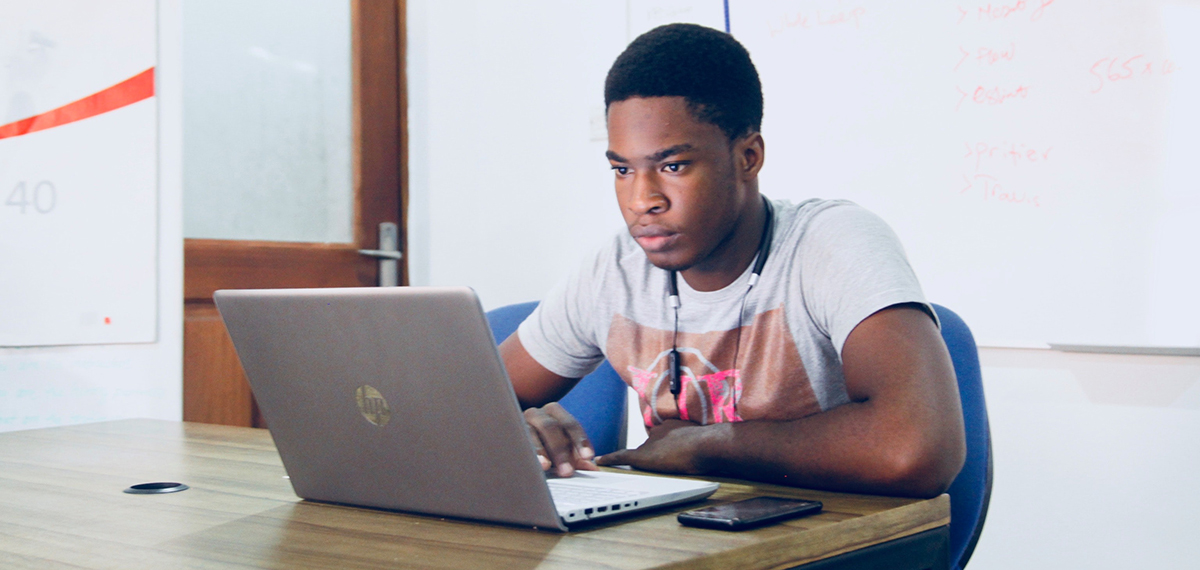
[{"x": 388, "y": 397}]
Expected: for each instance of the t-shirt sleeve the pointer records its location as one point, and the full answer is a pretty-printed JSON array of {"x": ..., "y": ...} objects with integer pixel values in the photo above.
[
  {"x": 560, "y": 333},
  {"x": 854, "y": 266}
]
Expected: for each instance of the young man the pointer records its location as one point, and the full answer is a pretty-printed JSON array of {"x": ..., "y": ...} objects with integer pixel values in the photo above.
[{"x": 820, "y": 367}]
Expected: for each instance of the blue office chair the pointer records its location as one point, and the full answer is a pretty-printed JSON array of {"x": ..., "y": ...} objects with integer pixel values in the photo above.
[
  {"x": 971, "y": 491},
  {"x": 597, "y": 401}
]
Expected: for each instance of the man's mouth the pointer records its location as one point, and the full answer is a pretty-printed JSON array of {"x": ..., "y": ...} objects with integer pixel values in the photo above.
[{"x": 653, "y": 239}]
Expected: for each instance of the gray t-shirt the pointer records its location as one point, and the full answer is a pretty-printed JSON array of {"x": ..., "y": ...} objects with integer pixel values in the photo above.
[{"x": 831, "y": 265}]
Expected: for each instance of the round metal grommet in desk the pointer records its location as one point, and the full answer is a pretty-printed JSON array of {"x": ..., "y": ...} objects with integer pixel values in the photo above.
[{"x": 156, "y": 488}]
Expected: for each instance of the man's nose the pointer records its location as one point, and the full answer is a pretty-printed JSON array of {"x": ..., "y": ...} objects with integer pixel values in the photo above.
[{"x": 647, "y": 194}]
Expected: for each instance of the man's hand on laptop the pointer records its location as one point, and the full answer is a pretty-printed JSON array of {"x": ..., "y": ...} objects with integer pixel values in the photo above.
[{"x": 559, "y": 440}]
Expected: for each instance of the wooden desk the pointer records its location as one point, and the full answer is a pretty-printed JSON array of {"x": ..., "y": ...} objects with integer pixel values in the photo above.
[{"x": 61, "y": 505}]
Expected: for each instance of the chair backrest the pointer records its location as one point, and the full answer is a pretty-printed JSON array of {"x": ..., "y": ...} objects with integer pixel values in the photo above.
[
  {"x": 971, "y": 491},
  {"x": 597, "y": 401}
]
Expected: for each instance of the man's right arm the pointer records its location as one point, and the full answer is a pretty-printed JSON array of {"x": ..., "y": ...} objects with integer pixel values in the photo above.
[
  {"x": 556, "y": 435},
  {"x": 534, "y": 384}
]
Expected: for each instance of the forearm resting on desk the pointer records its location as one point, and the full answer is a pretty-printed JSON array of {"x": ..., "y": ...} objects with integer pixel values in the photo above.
[
  {"x": 901, "y": 434},
  {"x": 833, "y": 450}
]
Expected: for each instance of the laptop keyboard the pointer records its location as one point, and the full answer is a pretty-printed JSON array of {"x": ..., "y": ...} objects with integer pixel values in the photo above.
[{"x": 569, "y": 496}]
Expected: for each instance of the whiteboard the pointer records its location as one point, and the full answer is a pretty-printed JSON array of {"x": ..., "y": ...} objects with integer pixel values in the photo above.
[
  {"x": 1034, "y": 156},
  {"x": 78, "y": 173}
]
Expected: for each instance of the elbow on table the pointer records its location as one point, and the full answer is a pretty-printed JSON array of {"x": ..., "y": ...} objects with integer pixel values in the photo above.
[{"x": 922, "y": 470}]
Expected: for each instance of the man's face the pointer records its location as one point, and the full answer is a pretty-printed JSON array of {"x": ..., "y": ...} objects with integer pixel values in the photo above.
[{"x": 675, "y": 178}]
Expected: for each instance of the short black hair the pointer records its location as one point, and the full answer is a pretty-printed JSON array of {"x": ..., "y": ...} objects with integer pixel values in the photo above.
[{"x": 707, "y": 67}]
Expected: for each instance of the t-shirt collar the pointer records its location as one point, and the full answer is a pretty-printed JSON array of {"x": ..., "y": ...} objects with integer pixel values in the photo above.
[{"x": 732, "y": 290}]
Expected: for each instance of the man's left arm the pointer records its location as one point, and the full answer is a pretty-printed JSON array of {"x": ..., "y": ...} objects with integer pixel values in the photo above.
[{"x": 901, "y": 434}]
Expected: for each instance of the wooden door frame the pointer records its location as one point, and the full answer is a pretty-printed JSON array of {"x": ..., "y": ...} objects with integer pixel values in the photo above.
[{"x": 215, "y": 389}]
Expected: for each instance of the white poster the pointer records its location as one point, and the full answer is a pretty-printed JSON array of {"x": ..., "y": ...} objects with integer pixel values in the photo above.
[{"x": 78, "y": 173}]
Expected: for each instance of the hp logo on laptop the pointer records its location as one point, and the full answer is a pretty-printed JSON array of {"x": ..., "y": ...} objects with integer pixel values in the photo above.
[{"x": 372, "y": 405}]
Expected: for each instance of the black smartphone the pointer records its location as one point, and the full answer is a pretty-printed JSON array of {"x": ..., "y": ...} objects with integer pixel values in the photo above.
[{"x": 749, "y": 513}]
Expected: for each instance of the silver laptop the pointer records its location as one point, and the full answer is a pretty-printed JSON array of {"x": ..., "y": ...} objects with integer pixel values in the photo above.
[{"x": 396, "y": 398}]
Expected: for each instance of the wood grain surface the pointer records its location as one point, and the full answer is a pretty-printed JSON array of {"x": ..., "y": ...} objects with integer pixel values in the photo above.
[{"x": 62, "y": 506}]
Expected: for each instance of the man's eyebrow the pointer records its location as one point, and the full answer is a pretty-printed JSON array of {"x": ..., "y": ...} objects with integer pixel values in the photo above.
[
  {"x": 655, "y": 157},
  {"x": 669, "y": 152},
  {"x": 615, "y": 157}
]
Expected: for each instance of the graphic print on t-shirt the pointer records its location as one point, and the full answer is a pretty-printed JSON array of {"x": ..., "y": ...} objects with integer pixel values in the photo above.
[{"x": 768, "y": 382}]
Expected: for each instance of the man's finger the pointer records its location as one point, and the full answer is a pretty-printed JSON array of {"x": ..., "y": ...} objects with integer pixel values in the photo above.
[
  {"x": 579, "y": 437},
  {"x": 618, "y": 457},
  {"x": 555, "y": 440},
  {"x": 537, "y": 448}
]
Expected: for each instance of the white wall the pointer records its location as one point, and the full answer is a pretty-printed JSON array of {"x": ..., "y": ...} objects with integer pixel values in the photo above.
[
  {"x": 1096, "y": 458},
  {"x": 51, "y": 386},
  {"x": 507, "y": 191}
]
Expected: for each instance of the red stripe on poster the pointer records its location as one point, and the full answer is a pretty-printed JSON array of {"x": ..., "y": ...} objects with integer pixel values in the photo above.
[{"x": 128, "y": 92}]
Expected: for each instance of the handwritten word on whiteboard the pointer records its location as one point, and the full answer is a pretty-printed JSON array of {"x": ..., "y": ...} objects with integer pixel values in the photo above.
[{"x": 1035, "y": 156}]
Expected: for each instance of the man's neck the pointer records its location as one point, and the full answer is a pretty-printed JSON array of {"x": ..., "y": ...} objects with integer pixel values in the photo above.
[{"x": 732, "y": 256}]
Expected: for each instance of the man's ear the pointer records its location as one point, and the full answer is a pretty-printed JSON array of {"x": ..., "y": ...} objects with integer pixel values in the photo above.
[{"x": 749, "y": 151}]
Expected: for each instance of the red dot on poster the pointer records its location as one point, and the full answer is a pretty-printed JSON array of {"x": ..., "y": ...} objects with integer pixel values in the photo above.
[{"x": 107, "y": 320}]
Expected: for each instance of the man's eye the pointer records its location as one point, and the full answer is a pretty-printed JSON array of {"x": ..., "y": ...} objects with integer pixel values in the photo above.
[
  {"x": 673, "y": 167},
  {"x": 622, "y": 170}
]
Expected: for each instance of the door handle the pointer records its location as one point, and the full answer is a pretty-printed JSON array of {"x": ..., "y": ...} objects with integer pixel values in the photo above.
[{"x": 389, "y": 254}]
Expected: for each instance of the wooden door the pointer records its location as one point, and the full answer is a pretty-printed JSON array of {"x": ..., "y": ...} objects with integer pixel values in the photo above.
[{"x": 214, "y": 385}]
